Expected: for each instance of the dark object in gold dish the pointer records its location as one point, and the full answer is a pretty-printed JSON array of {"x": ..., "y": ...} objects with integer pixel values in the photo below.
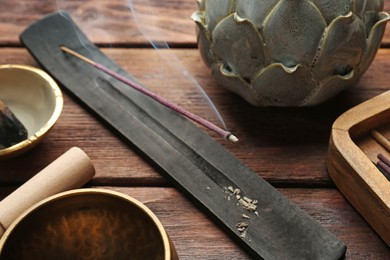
[{"x": 12, "y": 131}]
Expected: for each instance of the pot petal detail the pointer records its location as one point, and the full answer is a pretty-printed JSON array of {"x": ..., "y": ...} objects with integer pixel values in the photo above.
[
  {"x": 292, "y": 32},
  {"x": 374, "y": 40},
  {"x": 235, "y": 84},
  {"x": 238, "y": 44},
  {"x": 331, "y": 9},
  {"x": 204, "y": 41},
  {"x": 342, "y": 48},
  {"x": 216, "y": 10},
  {"x": 289, "y": 52},
  {"x": 255, "y": 11},
  {"x": 282, "y": 86}
]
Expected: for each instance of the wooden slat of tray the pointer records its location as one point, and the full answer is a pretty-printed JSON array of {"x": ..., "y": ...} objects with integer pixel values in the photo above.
[
  {"x": 109, "y": 21},
  {"x": 197, "y": 237},
  {"x": 283, "y": 146},
  {"x": 353, "y": 171}
]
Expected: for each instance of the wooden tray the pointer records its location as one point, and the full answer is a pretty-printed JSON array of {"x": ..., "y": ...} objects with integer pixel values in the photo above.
[{"x": 351, "y": 161}]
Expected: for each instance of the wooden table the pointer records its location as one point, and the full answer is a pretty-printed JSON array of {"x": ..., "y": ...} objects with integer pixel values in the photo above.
[{"x": 287, "y": 147}]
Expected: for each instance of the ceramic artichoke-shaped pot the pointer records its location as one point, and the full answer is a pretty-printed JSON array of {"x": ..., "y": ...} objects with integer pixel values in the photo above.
[{"x": 289, "y": 52}]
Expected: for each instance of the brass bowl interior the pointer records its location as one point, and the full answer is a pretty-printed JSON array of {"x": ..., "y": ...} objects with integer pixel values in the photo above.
[
  {"x": 85, "y": 226},
  {"x": 34, "y": 98}
]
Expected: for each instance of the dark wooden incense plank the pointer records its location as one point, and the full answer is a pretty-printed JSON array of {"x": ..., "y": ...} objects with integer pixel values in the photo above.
[
  {"x": 200, "y": 167},
  {"x": 109, "y": 22},
  {"x": 196, "y": 237}
]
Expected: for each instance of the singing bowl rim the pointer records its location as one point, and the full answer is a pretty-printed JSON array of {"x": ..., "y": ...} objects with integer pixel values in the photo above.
[
  {"x": 52, "y": 89},
  {"x": 167, "y": 244}
]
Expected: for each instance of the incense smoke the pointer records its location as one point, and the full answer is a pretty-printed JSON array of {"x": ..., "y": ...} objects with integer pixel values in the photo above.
[{"x": 147, "y": 25}]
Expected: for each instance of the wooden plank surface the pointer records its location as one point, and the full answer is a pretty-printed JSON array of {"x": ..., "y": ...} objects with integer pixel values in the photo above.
[
  {"x": 111, "y": 22},
  {"x": 283, "y": 146},
  {"x": 287, "y": 147},
  {"x": 105, "y": 22}
]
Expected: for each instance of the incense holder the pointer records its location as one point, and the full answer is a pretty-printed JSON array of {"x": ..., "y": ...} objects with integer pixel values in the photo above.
[
  {"x": 353, "y": 158},
  {"x": 34, "y": 99},
  {"x": 289, "y": 53}
]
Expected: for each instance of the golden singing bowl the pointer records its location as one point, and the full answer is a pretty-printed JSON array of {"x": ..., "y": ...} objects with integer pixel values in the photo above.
[
  {"x": 87, "y": 224},
  {"x": 34, "y": 98}
]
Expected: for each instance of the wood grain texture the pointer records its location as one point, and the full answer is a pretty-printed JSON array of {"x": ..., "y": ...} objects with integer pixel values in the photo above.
[
  {"x": 282, "y": 146},
  {"x": 110, "y": 22},
  {"x": 107, "y": 22},
  {"x": 192, "y": 159},
  {"x": 287, "y": 147},
  {"x": 195, "y": 236}
]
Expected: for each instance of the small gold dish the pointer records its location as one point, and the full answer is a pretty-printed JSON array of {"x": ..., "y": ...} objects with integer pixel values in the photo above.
[{"x": 34, "y": 98}]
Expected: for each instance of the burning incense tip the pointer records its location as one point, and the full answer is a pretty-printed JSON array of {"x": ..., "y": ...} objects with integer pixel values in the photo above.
[
  {"x": 232, "y": 138},
  {"x": 159, "y": 99}
]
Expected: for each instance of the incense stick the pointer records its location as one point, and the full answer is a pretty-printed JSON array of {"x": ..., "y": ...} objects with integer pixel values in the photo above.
[
  {"x": 384, "y": 169},
  {"x": 159, "y": 99},
  {"x": 381, "y": 139},
  {"x": 382, "y": 158},
  {"x": 383, "y": 165}
]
